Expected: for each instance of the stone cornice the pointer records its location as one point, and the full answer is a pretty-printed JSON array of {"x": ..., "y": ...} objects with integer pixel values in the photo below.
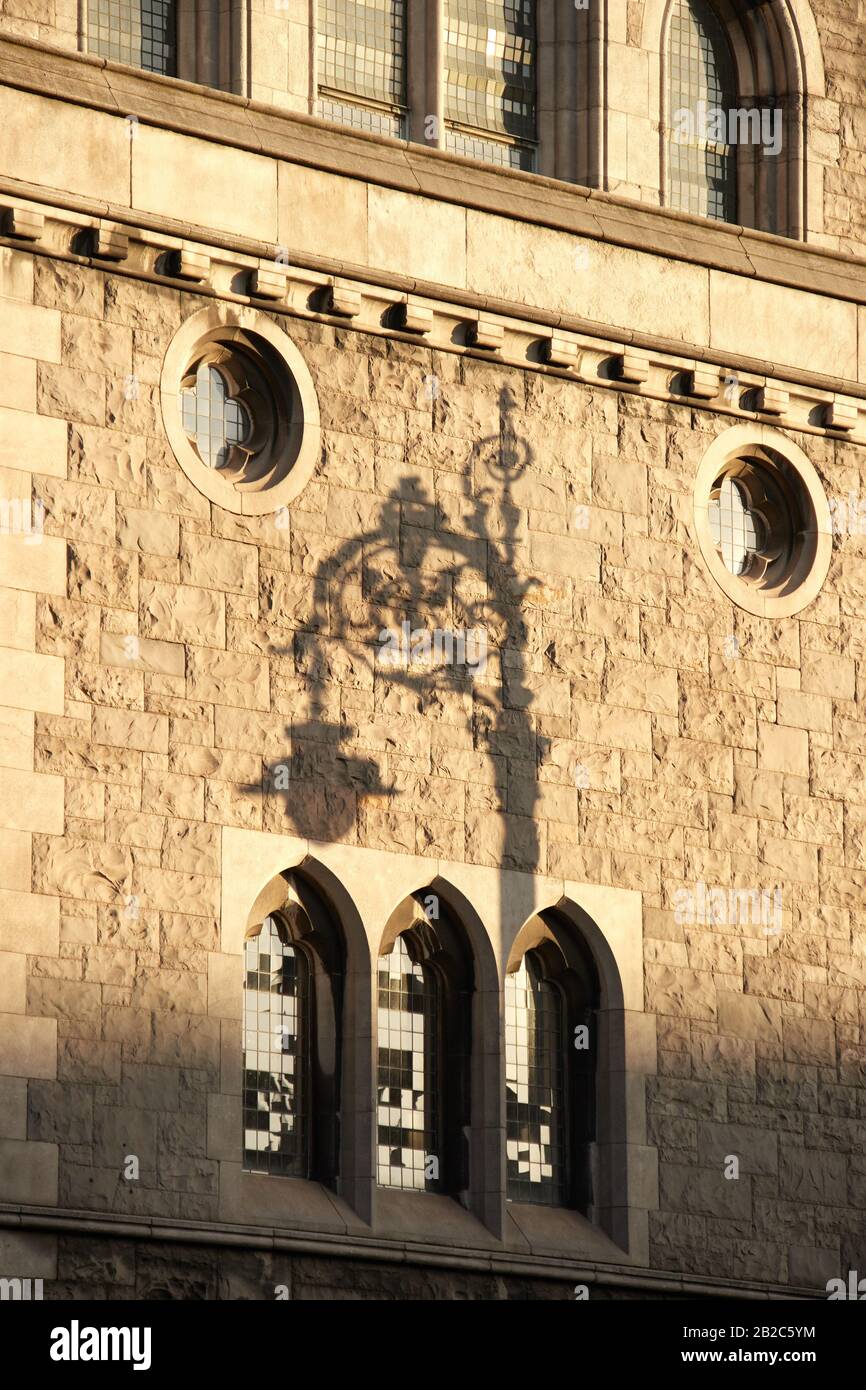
[
  {"x": 69, "y": 1222},
  {"x": 235, "y": 121},
  {"x": 354, "y": 297}
]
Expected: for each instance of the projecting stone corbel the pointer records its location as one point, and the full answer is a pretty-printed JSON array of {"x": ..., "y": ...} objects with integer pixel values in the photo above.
[
  {"x": 23, "y": 223},
  {"x": 109, "y": 244},
  {"x": 413, "y": 318},
  {"x": 485, "y": 333},
  {"x": 772, "y": 400},
  {"x": 265, "y": 283},
  {"x": 189, "y": 265},
  {"x": 841, "y": 415},
  {"x": 703, "y": 382},
  {"x": 557, "y": 351},
  {"x": 632, "y": 367},
  {"x": 340, "y": 299}
]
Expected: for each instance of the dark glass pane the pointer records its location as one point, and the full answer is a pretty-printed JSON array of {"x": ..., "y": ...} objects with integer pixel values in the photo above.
[
  {"x": 534, "y": 1088},
  {"x": 407, "y": 1079},
  {"x": 490, "y": 52},
  {"x": 276, "y": 1056}
]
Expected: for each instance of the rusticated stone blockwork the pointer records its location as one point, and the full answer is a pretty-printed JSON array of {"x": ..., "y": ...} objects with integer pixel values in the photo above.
[{"x": 630, "y": 728}]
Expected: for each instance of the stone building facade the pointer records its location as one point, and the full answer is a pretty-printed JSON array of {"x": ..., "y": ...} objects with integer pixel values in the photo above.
[{"x": 607, "y": 456}]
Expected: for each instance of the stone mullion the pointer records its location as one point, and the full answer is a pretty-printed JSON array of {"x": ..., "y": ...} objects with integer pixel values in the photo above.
[{"x": 424, "y": 71}]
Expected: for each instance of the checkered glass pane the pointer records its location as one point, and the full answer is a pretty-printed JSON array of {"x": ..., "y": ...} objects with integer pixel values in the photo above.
[
  {"x": 276, "y": 1056},
  {"x": 362, "y": 117},
  {"x": 490, "y": 67},
  {"x": 701, "y": 172},
  {"x": 534, "y": 1087},
  {"x": 140, "y": 32},
  {"x": 407, "y": 1081},
  {"x": 211, "y": 419},
  {"x": 361, "y": 50},
  {"x": 490, "y": 151},
  {"x": 733, "y": 527}
]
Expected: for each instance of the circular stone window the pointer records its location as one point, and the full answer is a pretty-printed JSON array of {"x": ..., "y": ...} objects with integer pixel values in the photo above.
[
  {"x": 240, "y": 409},
  {"x": 763, "y": 521}
]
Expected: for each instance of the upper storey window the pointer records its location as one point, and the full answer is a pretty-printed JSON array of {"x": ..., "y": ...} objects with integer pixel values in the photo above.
[
  {"x": 489, "y": 80},
  {"x": 361, "y": 52},
  {"x": 142, "y": 33},
  {"x": 701, "y": 172}
]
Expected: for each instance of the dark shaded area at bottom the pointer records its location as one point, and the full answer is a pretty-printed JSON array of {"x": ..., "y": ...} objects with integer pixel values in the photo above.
[{"x": 93, "y": 1268}]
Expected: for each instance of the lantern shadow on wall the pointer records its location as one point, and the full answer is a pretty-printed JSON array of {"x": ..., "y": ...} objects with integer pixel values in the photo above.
[{"x": 411, "y": 574}]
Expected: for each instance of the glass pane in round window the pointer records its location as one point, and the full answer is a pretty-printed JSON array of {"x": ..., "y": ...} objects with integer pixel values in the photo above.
[
  {"x": 214, "y": 421},
  {"x": 735, "y": 529}
]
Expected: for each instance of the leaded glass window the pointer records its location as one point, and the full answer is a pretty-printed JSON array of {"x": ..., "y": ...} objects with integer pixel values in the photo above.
[
  {"x": 490, "y": 151},
  {"x": 407, "y": 1095},
  {"x": 276, "y": 1105},
  {"x": 734, "y": 527},
  {"x": 535, "y": 1087},
  {"x": 142, "y": 33},
  {"x": 490, "y": 52},
  {"x": 361, "y": 53},
  {"x": 214, "y": 421},
  {"x": 701, "y": 174}
]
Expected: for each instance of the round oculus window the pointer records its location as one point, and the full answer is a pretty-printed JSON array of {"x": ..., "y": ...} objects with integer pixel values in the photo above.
[
  {"x": 240, "y": 409},
  {"x": 763, "y": 521}
]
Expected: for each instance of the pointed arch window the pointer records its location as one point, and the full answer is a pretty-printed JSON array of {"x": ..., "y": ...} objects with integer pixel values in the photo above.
[
  {"x": 293, "y": 985},
  {"x": 425, "y": 984},
  {"x": 552, "y": 997},
  {"x": 702, "y": 95}
]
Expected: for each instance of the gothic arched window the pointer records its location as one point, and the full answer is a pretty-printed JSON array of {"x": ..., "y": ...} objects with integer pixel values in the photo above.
[
  {"x": 551, "y": 1046},
  {"x": 425, "y": 983},
  {"x": 702, "y": 102},
  {"x": 293, "y": 977}
]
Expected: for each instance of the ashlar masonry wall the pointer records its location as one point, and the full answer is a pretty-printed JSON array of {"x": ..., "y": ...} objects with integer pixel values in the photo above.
[{"x": 160, "y": 658}]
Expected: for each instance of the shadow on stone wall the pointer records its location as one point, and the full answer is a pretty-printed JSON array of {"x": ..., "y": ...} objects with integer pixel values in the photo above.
[{"x": 412, "y": 569}]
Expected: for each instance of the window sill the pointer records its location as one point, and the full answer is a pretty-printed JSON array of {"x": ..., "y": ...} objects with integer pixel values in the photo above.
[
  {"x": 429, "y": 1218},
  {"x": 557, "y": 1232}
]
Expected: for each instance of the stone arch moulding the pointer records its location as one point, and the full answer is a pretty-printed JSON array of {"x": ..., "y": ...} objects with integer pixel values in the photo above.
[
  {"x": 777, "y": 52},
  {"x": 366, "y": 888}
]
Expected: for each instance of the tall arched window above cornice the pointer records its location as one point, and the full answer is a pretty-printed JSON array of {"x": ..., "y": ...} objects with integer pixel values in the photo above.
[
  {"x": 754, "y": 128},
  {"x": 142, "y": 33},
  {"x": 701, "y": 150}
]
